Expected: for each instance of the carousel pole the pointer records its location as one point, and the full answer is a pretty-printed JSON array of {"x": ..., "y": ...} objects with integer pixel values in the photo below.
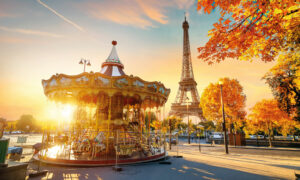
[
  {"x": 160, "y": 128},
  {"x": 139, "y": 120},
  {"x": 108, "y": 125},
  {"x": 165, "y": 149},
  {"x": 149, "y": 120},
  {"x": 127, "y": 112},
  {"x": 97, "y": 114},
  {"x": 145, "y": 125},
  {"x": 116, "y": 167},
  {"x": 38, "y": 172},
  {"x": 127, "y": 109},
  {"x": 144, "y": 122}
]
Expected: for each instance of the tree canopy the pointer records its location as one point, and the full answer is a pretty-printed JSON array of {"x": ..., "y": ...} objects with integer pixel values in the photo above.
[
  {"x": 172, "y": 122},
  {"x": 234, "y": 102},
  {"x": 266, "y": 116},
  {"x": 27, "y": 123},
  {"x": 251, "y": 29},
  {"x": 284, "y": 80}
]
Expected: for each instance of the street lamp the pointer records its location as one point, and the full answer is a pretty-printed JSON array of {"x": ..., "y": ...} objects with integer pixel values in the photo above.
[
  {"x": 198, "y": 133},
  {"x": 223, "y": 114},
  {"x": 85, "y": 62},
  {"x": 187, "y": 110}
]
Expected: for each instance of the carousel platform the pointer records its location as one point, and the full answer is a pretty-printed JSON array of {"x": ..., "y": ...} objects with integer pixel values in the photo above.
[{"x": 99, "y": 162}]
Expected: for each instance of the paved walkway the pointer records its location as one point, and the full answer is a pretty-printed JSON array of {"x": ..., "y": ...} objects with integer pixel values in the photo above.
[{"x": 208, "y": 164}]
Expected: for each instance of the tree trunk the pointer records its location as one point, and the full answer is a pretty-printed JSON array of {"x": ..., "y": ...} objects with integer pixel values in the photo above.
[
  {"x": 234, "y": 138},
  {"x": 270, "y": 142},
  {"x": 294, "y": 138},
  {"x": 269, "y": 136},
  {"x": 257, "y": 139}
]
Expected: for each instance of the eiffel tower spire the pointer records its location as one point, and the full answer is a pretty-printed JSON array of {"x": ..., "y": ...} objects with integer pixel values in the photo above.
[{"x": 187, "y": 82}]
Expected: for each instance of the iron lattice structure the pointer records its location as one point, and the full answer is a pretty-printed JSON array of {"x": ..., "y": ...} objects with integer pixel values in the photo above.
[{"x": 187, "y": 83}]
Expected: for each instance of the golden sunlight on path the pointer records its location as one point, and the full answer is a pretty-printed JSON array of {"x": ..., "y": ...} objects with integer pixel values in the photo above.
[
  {"x": 211, "y": 164},
  {"x": 272, "y": 166}
]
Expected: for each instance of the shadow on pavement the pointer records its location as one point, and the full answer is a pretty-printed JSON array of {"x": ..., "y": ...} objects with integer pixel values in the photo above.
[{"x": 179, "y": 169}]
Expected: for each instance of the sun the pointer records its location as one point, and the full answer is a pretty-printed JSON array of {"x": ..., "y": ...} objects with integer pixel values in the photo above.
[
  {"x": 67, "y": 111},
  {"x": 62, "y": 113}
]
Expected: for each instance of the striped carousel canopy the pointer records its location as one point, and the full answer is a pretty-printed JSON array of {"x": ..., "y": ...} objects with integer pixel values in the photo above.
[{"x": 113, "y": 66}]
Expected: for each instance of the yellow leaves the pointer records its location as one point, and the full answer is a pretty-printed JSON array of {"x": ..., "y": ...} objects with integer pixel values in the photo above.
[
  {"x": 266, "y": 115},
  {"x": 233, "y": 97},
  {"x": 277, "y": 11},
  {"x": 156, "y": 124}
]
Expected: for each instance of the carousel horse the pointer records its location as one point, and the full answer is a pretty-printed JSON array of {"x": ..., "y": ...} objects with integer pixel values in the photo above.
[{"x": 98, "y": 144}]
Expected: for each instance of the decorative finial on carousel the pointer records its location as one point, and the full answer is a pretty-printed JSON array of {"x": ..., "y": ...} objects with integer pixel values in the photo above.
[
  {"x": 184, "y": 16},
  {"x": 114, "y": 43}
]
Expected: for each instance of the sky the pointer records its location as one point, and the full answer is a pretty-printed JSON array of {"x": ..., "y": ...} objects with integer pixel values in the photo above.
[{"x": 39, "y": 38}]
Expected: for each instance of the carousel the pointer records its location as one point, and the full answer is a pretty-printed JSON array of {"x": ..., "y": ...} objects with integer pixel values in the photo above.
[{"x": 111, "y": 120}]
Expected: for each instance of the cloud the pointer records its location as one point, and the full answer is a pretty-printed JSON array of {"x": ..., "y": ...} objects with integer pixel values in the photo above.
[
  {"x": 5, "y": 9},
  {"x": 153, "y": 10},
  {"x": 184, "y": 4},
  {"x": 30, "y": 32},
  {"x": 4, "y": 14},
  {"x": 61, "y": 16},
  {"x": 126, "y": 12},
  {"x": 138, "y": 13},
  {"x": 5, "y": 39}
]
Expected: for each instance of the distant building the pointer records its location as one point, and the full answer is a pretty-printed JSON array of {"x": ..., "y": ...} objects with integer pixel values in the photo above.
[{"x": 11, "y": 125}]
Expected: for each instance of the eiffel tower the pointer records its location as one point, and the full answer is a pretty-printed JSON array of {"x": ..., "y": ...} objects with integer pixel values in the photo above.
[{"x": 187, "y": 83}]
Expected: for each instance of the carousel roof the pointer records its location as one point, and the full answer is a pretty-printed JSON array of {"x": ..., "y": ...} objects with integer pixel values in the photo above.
[
  {"x": 86, "y": 87},
  {"x": 113, "y": 66}
]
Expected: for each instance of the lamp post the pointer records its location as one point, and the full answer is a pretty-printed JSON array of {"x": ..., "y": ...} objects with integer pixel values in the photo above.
[
  {"x": 85, "y": 62},
  {"x": 198, "y": 133},
  {"x": 223, "y": 114},
  {"x": 187, "y": 110}
]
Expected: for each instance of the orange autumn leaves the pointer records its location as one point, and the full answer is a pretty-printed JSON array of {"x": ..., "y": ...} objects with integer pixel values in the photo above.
[
  {"x": 234, "y": 102},
  {"x": 284, "y": 80},
  {"x": 266, "y": 116},
  {"x": 250, "y": 29}
]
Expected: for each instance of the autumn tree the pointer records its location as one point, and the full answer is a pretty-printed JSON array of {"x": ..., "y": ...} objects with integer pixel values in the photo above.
[
  {"x": 152, "y": 117},
  {"x": 266, "y": 116},
  {"x": 208, "y": 125},
  {"x": 156, "y": 124},
  {"x": 251, "y": 29},
  {"x": 181, "y": 126},
  {"x": 284, "y": 81},
  {"x": 3, "y": 124},
  {"x": 26, "y": 123},
  {"x": 234, "y": 103},
  {"x": 289, "y": 127},
  {"x": 171, "y": 123}
]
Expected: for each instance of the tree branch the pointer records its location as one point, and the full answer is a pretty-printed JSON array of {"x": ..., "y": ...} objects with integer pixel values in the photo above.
[
  {"x": 250, "y": 25},
  {"x": 242, "y": 22}
]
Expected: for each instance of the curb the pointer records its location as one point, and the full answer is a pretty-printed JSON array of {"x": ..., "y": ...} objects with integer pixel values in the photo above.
[{"x": 248, "y": 147}]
